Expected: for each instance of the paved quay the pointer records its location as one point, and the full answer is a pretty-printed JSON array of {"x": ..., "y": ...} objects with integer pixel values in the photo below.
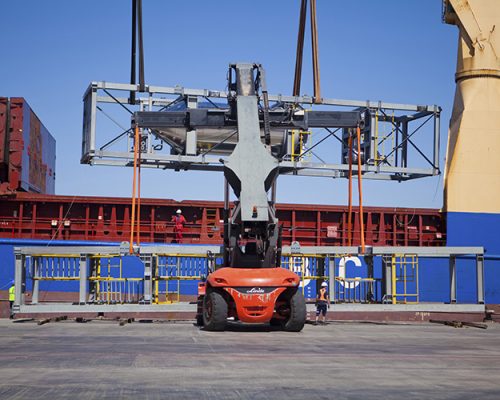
[{"x": 340, "y": 360}]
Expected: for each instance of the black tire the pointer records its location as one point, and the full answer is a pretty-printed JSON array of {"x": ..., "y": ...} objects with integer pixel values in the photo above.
[
  {"x": 214, "y": 312},
  {"x": 298, "y": 313},
  {"x": 276, "y": 322},
  {"x": 199, "y": 311}
]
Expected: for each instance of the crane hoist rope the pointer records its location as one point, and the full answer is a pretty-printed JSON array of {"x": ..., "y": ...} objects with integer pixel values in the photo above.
[
  {"x": 300, "y": 51},
  {"x": 137, "y": 39}
]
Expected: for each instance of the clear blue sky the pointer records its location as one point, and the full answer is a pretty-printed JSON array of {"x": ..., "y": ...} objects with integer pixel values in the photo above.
[{"x": 389, "y": 50}]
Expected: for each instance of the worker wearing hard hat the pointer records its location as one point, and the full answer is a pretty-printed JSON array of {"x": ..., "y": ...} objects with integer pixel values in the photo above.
[
  {"x": 322, "y": 302},
  {"x": 179, "y": 222},
  {"x": 12, "y": 297}
]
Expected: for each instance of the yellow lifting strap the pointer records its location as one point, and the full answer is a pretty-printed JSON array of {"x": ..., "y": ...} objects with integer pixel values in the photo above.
[{"x": 360, "y": 192}]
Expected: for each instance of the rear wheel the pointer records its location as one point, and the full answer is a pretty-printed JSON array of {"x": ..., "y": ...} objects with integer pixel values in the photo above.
[
  {"x": 214, "y": 312},
  {"x": 297, "y": 317}
]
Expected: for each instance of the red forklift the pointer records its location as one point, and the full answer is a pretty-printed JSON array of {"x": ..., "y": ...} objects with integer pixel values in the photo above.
[
  {"x": 258, "y": 138},
  {"x": 250, "y": 286}
]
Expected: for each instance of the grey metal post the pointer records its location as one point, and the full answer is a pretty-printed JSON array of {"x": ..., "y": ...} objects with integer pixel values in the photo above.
[
  {"x": 404, "y": 137},
  {"x": 436, "y": 138},
  {"x": 453, "y": 279},
  {"x": 36, "y": 282},
  {"x": 373, "y": 156},
  {"x": 91, "y": 133},
  {"x": 147, "y": 260},
  {"x": 331, "y": 278},
  {"x": 480, "y": 279},
  {"x": 83, "y": 278},
  {"x": 18, "y": 280},
  {"x": 93, "y": 285},
  {"x": 388, "y": 277},
  {"x": 191, "y": 135}
]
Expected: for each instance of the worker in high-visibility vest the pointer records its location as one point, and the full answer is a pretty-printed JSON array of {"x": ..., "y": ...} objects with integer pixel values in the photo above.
[
  {"x": 322, "y": 302},
  {"x": 12, "y": 297}
]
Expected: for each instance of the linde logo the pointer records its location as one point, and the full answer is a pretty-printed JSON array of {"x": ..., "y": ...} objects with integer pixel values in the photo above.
[{"x": 255, "y": 290}]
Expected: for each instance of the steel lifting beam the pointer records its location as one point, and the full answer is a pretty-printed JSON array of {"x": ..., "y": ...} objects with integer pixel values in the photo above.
[
  {"x": 190, "y": 113},
  {"x": 119, "y": 293},
  {"x": 151, "y": 90},
  {"x": 203, "y": 118},
  {"x": 385, "y": 250}
]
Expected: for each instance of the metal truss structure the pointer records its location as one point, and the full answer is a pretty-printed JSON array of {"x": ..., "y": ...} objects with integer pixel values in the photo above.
[
  {"x": 137, "y": 293},
  {"x": 388, "y": 252},
  {"x": 399, "y": 141}
]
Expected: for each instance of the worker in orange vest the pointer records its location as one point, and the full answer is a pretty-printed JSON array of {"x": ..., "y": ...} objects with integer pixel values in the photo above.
[
  {"x": 322, "y": 302},
  {"x": 179, "y": 222}
]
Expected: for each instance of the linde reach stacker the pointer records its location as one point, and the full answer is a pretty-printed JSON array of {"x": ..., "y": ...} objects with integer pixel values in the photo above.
[
  {"x": 250, "y": 286},
  {"x": 252, "y": 137}
]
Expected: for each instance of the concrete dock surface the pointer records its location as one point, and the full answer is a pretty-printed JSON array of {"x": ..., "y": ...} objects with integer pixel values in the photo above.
[{"x": 177, "y": 360}]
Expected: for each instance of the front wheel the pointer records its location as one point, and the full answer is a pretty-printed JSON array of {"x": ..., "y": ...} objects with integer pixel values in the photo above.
[
  {"x": 298, "y": 313},
  {"x": 199, "y": 311},
  {"x": 214, "y": 312}
]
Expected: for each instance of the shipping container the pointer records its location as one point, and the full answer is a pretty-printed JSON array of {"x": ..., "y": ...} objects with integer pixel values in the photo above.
[{"x": 27, "y": 150}]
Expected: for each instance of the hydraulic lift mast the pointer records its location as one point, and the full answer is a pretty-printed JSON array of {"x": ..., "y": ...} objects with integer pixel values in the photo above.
[{"x": 251, "y": 170}]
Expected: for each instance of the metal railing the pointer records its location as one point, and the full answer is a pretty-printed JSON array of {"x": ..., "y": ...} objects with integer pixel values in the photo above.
[
  {"x": 404, "y": 278},
  {"x": 117, "y": 290},
  {"x": 55, "y": 267},
  {"x": 357, "y": 290},
  {"x": 172, "y": 269}
]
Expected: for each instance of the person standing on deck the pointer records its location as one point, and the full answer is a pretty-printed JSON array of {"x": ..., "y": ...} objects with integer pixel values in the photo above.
[{"x": 179, "y": 222}]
